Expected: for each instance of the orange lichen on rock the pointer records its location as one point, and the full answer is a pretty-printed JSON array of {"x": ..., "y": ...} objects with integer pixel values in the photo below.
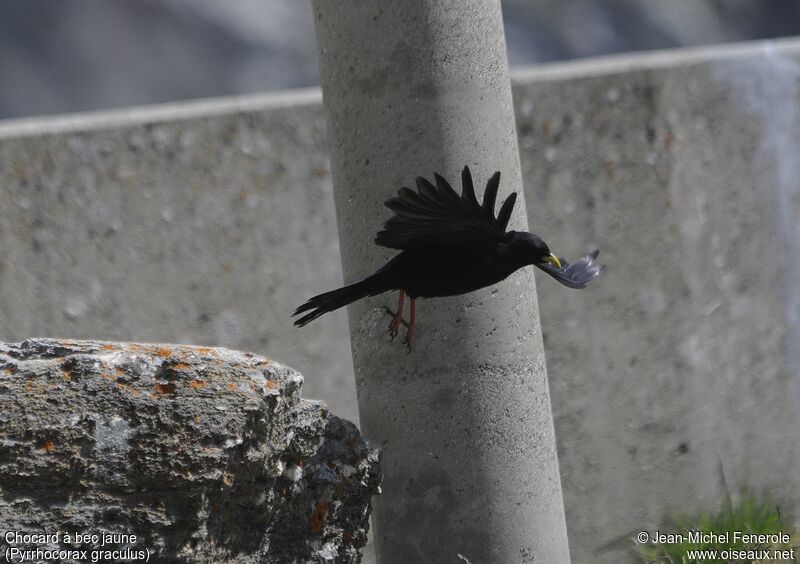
[
  {"x": 128, "y": 388},
  {"x": 46, "y": 446},
  {"x": 271, "y": 384},
  {"x": 167, "y": 388},
  {"x": 197, "y": 384},
  {"x": 317, "y": 518}
]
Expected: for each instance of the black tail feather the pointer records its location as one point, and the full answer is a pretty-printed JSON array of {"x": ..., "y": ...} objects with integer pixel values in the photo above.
[{"x": 329, "y": 301}]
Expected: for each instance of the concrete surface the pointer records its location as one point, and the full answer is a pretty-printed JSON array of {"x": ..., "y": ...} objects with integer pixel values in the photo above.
[
  {"x": 202, "y": 454},
  {"x": 673, "y": 379},
  {"x": 204, "y": 223},
  {"x": 464, "y": 411}
]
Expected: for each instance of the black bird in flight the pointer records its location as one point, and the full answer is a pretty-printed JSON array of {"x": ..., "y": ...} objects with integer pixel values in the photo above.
[{"x": 450, "y": 245}]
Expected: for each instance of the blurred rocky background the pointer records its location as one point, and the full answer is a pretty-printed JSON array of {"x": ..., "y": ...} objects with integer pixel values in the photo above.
[{"x": 58, "y": 57}]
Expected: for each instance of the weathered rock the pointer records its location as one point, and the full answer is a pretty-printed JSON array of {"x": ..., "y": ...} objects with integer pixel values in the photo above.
[{"x": 205, "y": 454}]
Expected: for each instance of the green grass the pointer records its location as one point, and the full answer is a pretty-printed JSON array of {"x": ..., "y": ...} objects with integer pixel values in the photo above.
[{"x": 749, "y": 515}]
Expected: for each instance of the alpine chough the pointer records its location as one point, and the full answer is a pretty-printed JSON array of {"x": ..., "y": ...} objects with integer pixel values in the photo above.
[{"x": 449, "y": 245}]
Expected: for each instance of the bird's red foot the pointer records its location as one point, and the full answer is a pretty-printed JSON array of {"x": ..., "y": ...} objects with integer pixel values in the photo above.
[
  {"x": 412, "y": 323},
  {"x": 397, "y": 318},
  {"x": 396, "y": 322},
  {"x": 407, "y": 340}
]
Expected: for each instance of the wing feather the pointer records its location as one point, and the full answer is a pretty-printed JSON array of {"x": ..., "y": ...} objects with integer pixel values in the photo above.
[
  {"x": 468, "y": 189},
  {"x": 435, "y": 215},
  {"x": 447, "y": 192},
  {"x": 505, "y": 212},
  {"x": 490, "y": 195},
  {"x": 427, "y": 191}
]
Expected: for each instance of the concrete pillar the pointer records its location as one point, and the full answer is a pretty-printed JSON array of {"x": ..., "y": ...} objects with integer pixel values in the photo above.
[{"x": 412, "y": 87}]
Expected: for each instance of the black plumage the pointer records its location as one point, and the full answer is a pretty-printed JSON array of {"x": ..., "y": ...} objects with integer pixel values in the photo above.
[{"x": 449, "y": 245}]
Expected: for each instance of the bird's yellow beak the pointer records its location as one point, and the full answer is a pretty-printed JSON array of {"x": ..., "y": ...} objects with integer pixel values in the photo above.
[{"x": 553, "y": 259}]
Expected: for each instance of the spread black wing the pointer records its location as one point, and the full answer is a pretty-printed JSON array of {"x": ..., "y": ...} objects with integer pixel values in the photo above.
[
  {"x": 575, "y": 275},
  {"x": 437, "y": 216}
]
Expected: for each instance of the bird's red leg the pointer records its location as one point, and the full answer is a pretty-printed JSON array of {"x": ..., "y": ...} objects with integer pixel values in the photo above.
[
  {"x": 412, "y": 320},
  {"x": 394, "y": 324}
]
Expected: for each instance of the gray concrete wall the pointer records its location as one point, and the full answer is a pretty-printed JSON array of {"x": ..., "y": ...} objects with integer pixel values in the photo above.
[
  {"x": 203, "y": 223},
  {"x": 674, "y": 378}
]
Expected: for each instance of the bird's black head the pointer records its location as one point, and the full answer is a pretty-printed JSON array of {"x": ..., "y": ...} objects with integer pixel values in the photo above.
[{"x": 527, "y": 248}]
